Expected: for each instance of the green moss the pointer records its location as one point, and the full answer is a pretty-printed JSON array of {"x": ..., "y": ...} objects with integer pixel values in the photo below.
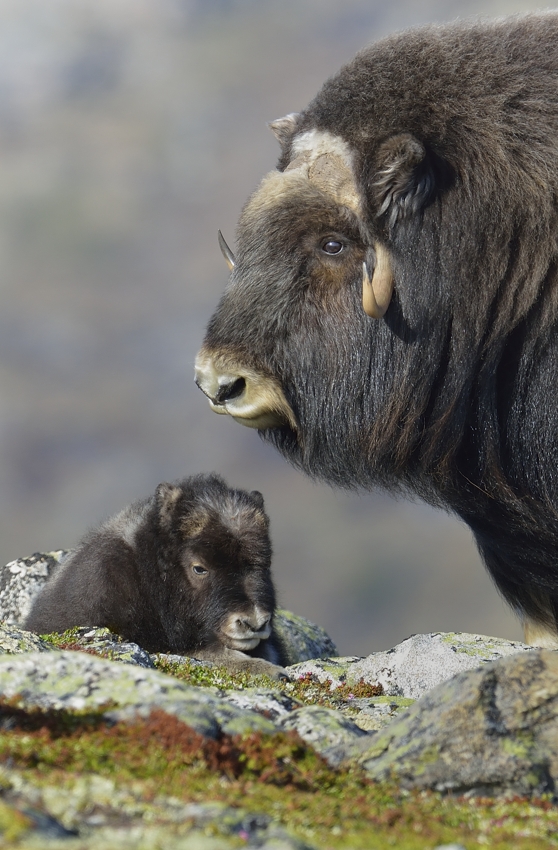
[
  {"x": 194, "y": 673},
  {"x": 60, "y": 641},
  {"x": 13, "y": 823},
  {"x": 480, "y": 648},
  {"x": 400, "y": 702},
  {"x": 521, "y": 745}
]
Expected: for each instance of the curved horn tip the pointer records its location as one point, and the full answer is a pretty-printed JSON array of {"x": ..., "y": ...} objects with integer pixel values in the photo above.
[
  {"x": 376, "y": 293},
  {"x": 283, "y": 128},
  {"x": 226, "y": 251}
]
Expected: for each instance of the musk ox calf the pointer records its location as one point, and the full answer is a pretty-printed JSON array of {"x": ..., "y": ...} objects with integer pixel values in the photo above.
[
  {"x": 186, "y": 570},
  {"x": 392, "y": 313}
]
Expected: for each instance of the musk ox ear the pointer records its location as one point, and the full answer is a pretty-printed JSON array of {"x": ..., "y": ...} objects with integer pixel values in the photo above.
[
  {"x": 404, "y": 180},
  {"x": 258, "y": 498},
  {"x": 167, "y": 496},
  {"x": 283, "y": 128}
]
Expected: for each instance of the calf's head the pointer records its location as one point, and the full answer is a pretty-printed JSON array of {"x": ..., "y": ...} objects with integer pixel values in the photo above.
[{"x": 221, "y": 557}]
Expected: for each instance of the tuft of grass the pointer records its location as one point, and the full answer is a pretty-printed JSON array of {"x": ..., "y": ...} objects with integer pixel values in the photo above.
[
  {"x": 308, "y": 690},
  {"x": 194, "y": 673}
]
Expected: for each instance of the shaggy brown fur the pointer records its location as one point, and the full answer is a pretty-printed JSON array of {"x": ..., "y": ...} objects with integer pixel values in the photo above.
[
  {"x": 186, "y": 570},
  {"x": 450, "y": 136}
]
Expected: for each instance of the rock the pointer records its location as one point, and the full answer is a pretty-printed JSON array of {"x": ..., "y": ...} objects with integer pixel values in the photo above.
[
  {"x": 489, "y": 731},
  {"x": 104, "y": 643},
  {"x": 415, "y": 666},
  {"x": 79, "y": 681},
  {"x": 335, "y": 737},
  {"x": 22, "y": 579},
  {"x": 113, "y": 818},
  {"x": 14, "y": 640},
  {"x": 272, "y": 704},
  {"x": 376, "y": 712},
  {"x": 301, "y": 638}
]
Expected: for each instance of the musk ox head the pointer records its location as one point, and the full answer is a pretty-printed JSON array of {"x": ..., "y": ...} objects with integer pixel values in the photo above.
[{"x": 392, "y": 306}]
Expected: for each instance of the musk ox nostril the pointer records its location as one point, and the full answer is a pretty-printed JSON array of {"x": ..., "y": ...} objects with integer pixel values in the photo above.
[{"x": 230, "y": 390}]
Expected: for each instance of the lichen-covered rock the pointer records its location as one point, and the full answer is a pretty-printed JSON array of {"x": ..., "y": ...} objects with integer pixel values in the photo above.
[
  {"x": 14, "y": 640},
  {"x": 338, "y": 671},
  {"x": 415, "y": 666},
  {"x": 22, "y": 579},
  {"x": 302, "y": 639},
  {"x": 489, "y": 730},
  {"x": 335, "y": 737},
  {"x": 95, "y": 813},
  {"x": 376, "y": 712},
  {"x": 271, "y": 703},
  {"x": 102, "y": 642},
  {"x": 78, "y": 681}
]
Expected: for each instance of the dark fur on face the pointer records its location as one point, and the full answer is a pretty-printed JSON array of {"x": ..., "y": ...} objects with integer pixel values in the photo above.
[
  {"x": 453, "y": 140},
  {"x": 184, "y": 570}
]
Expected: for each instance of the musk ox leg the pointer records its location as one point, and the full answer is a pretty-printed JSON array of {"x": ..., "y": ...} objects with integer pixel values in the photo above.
[
  {"x": 538, "y": 634},
  {"x": 236, "y": 661},
  {"x": 523, "y": 570}
]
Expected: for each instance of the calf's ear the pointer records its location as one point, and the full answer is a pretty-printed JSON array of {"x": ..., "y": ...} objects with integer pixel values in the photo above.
[
  {"x": 167, "y": 496},
  {"x": 404, "y": 180},
  {"x": 258, "y": 498}
]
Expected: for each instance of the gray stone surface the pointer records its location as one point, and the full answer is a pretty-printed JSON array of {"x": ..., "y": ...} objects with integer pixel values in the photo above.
[
  {"x": 22, "y": 579},
  {"x": 104, "y": 643},
  {"x": 97, "y": 814},
  {"x": 490, "y": 730},
  {"x": 272, "y": 704},
  {"x": 14, "y": 640},
  {"x": 79, "y": 681},
  {"x": 301, "y": 638},
  {"x": 76, "y": 680},
  {"x": 373, "y": 713},
  {"x": 415, "y": 666},
  {"x": 335, "y": 737}
]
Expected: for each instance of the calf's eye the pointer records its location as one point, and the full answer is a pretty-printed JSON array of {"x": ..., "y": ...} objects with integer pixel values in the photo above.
[{"x": 332, "y": 246}]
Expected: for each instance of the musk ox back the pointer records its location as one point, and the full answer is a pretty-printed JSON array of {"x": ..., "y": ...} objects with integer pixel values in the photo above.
[
  {"x": 391, "y": 317},
  {"x": 186, "y": 570}
]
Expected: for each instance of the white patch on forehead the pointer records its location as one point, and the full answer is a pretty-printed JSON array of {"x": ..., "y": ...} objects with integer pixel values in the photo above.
[
  {"x": 314, "y": 143},
  {"x": 327, "y": 161}
]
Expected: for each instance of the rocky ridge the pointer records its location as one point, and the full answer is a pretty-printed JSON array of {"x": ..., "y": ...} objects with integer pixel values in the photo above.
[{"x": 453, "y": 713}]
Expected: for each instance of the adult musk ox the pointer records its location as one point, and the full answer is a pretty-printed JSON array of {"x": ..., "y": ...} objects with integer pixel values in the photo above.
[
  {"x": 392, "y": 313},
  {"x": 186, "y": 570}
]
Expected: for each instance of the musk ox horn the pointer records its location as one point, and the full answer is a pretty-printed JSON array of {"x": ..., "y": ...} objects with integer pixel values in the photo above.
[
  {"x": 376, "y": 293},
  {"x": 226, "y": 252},
  {"x": 283, "y": 128}
]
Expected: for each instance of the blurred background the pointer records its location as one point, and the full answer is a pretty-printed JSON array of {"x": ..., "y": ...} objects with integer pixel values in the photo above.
[{"x": 130, "y": 131}]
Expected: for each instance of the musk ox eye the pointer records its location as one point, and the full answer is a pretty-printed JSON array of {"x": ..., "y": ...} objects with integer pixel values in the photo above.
[
  {"x": 332, "y": 246},
  {"x": 199, "y": 570}
]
